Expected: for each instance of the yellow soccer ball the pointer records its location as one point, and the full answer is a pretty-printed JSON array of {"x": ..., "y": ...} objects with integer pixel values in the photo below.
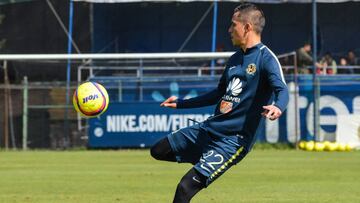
[
  {"x": 341, "y": 147},
  {"x": 319, "y": 146},
  {"x": 333, "y": 146},
  {"x": 302, "y": 144},
  {"x": 309, "y": 146},
  {"x": 348, "y": 147},
  {"x": 90, "y": 99},
  {"x": 327, "y": 145}
]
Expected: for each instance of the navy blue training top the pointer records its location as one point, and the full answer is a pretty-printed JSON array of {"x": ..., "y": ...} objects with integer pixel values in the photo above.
[{"x": 247, "y": 84}]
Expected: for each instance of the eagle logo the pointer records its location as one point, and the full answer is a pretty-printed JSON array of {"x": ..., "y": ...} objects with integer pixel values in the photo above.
[
  {"x": 234, "y": 86},
  {"x": 251, "y": 69}
]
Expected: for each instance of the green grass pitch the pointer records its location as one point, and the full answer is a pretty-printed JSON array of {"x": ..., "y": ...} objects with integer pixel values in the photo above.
[{"x": 132, "y": 176}]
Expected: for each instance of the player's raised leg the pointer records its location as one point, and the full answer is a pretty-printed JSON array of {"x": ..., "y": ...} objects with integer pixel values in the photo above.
[
  {"x": 191, "y": 183},
  {"x": 162, "y": 150},
  {"x": 183, "y": 145}
]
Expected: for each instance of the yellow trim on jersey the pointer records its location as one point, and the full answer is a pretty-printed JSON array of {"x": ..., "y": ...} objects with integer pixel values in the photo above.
[{"x": 233, "y": 157}]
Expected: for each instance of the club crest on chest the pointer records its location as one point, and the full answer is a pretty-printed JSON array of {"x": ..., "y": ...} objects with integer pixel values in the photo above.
[{"x": 251, "y": 69}]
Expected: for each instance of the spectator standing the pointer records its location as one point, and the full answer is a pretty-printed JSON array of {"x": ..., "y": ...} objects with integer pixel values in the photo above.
[{"x": 304, "y": 58}]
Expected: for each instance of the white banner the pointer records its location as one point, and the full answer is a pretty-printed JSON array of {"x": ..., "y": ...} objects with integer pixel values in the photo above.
[{"x": 348, "y": 130}]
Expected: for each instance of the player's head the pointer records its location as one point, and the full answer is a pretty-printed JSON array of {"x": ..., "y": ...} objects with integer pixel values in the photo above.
[
  {"x": 307, "y": 46},
  {"x": 246, "y": 21}
]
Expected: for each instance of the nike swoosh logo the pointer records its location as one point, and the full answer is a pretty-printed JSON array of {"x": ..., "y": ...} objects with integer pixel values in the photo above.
[
  {"x": 196, "y": 180},
  {"x": 232, "y": 67}
]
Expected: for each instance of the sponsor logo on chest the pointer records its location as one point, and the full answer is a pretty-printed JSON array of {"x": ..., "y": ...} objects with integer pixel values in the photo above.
[{"x": 233, "y": 90}]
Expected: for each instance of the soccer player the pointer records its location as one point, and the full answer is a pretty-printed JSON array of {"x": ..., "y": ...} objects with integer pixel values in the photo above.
[{"x": 243, "y": 95}]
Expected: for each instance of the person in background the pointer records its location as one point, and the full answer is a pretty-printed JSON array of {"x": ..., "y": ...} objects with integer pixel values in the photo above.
[
  {"x": 328, "y": 65},
  {"x": 304, "y": 58},
  {"x": 345, "y": 68},
  {"x": 353, "y": 61}
]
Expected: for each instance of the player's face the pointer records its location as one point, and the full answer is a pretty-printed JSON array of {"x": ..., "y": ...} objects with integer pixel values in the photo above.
[{"x": 237, "y": 31}]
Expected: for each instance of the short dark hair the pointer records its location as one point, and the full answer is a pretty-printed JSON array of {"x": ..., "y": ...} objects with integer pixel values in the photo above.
[
  {"x": 250, "y": 13},
  {"x": 307, "y": 43}
]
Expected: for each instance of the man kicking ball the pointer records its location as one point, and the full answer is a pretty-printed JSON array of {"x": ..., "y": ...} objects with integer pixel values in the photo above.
[{"x": 243, "y": 95}]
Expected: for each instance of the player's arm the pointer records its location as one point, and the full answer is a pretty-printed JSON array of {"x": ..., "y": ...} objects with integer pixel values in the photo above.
[
  {"x": 276, "y": 79},
  {"x": 207, "y": 99}
]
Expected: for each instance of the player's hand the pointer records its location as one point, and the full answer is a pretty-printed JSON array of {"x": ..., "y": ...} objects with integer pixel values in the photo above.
[
  {"x": 271, "y": 112},
  {"x": 170, "y": 102}
]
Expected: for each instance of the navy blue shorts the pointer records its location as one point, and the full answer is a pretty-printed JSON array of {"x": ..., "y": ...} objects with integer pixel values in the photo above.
[{"x": 210, "y": 155}]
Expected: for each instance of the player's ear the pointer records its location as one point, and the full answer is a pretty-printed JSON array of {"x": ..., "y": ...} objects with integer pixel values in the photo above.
[{"x": 248, "y": 27}]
